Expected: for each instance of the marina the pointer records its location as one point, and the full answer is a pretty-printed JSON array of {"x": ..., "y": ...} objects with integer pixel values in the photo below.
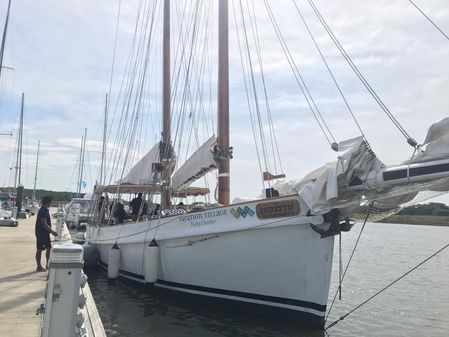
[{"x": 272, "y": 168}]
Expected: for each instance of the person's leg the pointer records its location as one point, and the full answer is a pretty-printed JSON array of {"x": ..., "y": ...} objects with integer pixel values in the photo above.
[
  {"x": 38, "y": 260},
  {"x": 47, "y": 255}
]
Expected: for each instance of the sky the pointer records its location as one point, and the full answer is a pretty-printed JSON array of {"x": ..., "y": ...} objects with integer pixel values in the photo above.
[{"x": 61, "y": 53}]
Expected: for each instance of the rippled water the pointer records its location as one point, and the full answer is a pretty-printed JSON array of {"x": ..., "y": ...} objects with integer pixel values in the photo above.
[{"x": 416, "y": 306}]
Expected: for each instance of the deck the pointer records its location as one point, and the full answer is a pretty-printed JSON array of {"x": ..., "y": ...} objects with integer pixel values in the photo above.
[{"x": 22, "y": 289}]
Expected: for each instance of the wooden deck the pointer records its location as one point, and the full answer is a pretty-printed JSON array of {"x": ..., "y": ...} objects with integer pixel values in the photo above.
[{"x": 22, "y": 289}]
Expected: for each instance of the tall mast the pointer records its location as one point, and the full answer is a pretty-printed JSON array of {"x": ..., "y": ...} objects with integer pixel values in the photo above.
[
  {"x": 35, "y": 171},
  {"x": 19, "y": 147},
  {"x": 78, "y": 185},
  {"x": 103, "y": 152},
  {"x": 2, "y": 48},
  {"x": 82, "y": 151},
  {"x": 224, "y": 153},
  {"x": 166, "y": 136}
]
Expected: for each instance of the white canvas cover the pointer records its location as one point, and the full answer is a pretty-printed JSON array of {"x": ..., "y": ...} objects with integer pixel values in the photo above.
[
  {"x": 141, "y": 172},
  {"x": 320, "y": 188},
  {"x": 200, "y": 163},
  {"x": 436, "y": 144},
  {"x": 329, "y": 186}
]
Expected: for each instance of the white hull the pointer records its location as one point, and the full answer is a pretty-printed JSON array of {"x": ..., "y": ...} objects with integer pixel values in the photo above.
[{"x": 278, "y": 262}]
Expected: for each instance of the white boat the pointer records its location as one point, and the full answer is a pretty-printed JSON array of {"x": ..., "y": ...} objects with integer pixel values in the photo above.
[
  {"x": 77, "y": 211},
  {"x": 274, "y": 252}
]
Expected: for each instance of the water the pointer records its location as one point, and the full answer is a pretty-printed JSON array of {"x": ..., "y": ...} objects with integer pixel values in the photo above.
[{"x": 416, "y": 306}]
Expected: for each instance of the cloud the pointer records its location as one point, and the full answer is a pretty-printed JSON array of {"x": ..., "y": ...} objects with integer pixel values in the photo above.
[{"x": 62, "y": 55}]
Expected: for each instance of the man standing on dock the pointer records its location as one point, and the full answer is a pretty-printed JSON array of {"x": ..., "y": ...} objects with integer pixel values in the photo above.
[{"x": 42, "y": 231}]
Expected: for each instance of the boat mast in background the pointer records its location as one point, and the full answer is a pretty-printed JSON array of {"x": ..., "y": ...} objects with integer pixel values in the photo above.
[
  {"x": 18, "y": 167},
  {"x": 35, "y": 171},
  {"x": 224, "y": 152},
  {"x": 103, "y": 152},
  {"x": 165, "y": 149},
  {"x": 81, "y": 168},
  {"x": 2, "y": 48}
]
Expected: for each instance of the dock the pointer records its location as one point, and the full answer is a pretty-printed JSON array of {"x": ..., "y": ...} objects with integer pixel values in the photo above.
[{"x": 22, "y": 289}]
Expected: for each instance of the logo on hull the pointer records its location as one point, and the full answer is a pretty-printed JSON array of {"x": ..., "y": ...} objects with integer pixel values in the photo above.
[{"x": 242, "y": 212}]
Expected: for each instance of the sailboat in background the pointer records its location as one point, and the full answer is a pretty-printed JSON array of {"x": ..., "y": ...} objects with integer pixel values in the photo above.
[
  {"x": 32, "y": 206},
  {"x": 273, "y": 252}
]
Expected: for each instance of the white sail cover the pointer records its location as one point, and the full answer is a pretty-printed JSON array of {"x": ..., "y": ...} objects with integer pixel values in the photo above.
[
  {"x": 436, "y": 143},
  {"x": 357, "y": 176},
  {"x": 320, "y": 188},
  {"x": 141, "y": 172},
  {"x": 200, "y": 163}
]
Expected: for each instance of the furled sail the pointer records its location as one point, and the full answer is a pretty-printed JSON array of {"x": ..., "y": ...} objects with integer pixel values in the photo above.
[
  {"x": 200, "y": 163},
  {"x": 358, "y": 176},
  {"x": 142, "y": 172}
]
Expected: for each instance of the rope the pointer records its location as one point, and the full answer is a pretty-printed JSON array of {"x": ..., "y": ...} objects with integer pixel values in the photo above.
[
  {"x": 386, "y": 287},
  {"x": 430, "y": 20},
  {"x": 274, "y": 142},
  {"x": 253, "y": 87},
  {"x": 250, "y": 108},
  {"x": 360, "y": 76},
  {"x": 114, "y": 51},
  {"x": 329, "y": 69},
  {"x": 298, "y": 77},
  {"x": 349, "y": 261}
]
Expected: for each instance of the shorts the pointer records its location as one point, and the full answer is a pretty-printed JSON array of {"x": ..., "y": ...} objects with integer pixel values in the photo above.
[{"x": 43, "y": 242}]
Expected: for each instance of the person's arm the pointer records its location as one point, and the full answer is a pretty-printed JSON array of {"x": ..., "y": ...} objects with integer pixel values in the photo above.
[{"x": 47, "y": 227}]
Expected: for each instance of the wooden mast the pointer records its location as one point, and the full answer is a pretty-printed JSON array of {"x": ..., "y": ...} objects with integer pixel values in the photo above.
[
  {"x": 223, "y": 105},
  {"x": 165, "y": 154}
]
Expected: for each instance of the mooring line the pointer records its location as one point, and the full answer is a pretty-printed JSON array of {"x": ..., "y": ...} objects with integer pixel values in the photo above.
[
  {"x": 386, "y": 287},
  {"x": 349, "y": 261}
]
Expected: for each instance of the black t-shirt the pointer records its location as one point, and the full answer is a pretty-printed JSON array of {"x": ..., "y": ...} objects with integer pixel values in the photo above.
[
  {"x": 135, "y": 204},
  {"x": 43, "y": 213},
  {"x": 120, "y": 214}
]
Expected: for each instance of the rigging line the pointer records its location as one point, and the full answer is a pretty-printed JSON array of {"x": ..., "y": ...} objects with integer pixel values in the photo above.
[
  {"x": 270, "y": 117},
  {"x": 328, "y": 68},
  {"x": 115, "y": 50},
  {"x": 247, "y": 95},
  {"x": 254, "y": 88},
  {"x": 254, "y": 30},
  {"x": 176, "y": 218},
  {"x": 350, "y": 259},
  {"x": 127, "y": 66},
  {"x": 135, "y": 90},
  {"x": 430, "y": 20},
  {"x": 199, "y": 71},
  {"x": 387, "y": 286},
  {"x": 298, "y": 76},
  {"x": 189, "y": 72},
  {"x": 205, "y": 58},
  {"x": 177, "y": 75},
  {"x": 139, "y": 74},
  {"x": 124, "y": 89},
  {"x": 359, "y": 74},
  {"x": 131, "y": 72},
  {"x": 188, "y": 67},
  {"x": 197, "y": 74}
]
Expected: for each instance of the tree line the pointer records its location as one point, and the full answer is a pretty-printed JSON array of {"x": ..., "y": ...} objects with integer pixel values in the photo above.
[{"x": 432, "y": 208}]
